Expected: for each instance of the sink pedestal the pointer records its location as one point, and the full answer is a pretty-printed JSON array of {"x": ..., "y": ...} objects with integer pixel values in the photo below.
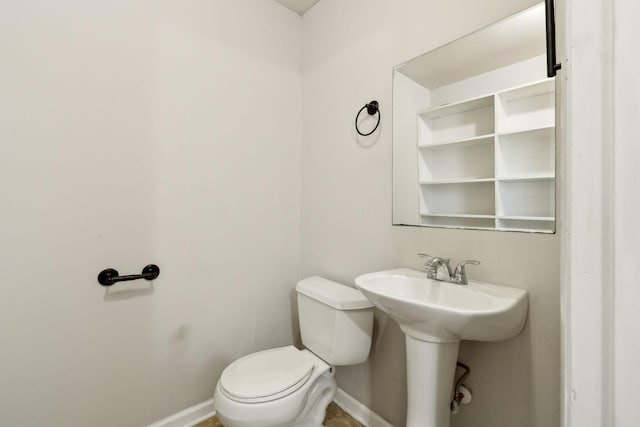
[{"x": 430, "y": 370}]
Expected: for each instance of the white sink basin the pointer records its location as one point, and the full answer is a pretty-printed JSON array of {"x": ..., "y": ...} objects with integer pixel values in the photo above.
[{"x": 435, "y": 311}]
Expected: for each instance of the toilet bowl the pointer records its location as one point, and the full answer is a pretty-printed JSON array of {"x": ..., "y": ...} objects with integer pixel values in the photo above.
[
  {"x": 286, "y": 386},
  {"x": 270, "y": 389}
]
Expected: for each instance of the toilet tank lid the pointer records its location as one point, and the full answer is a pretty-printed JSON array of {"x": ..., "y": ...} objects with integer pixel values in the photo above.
[{"x": 333, "y": 294}]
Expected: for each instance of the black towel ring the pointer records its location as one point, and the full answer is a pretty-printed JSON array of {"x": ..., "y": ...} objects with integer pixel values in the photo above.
[{"x": 372, "y": 108}]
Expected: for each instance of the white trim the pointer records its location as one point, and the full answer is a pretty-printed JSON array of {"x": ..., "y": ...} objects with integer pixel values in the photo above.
[
  {"x": 203, "y": 411},
  {"x": 359, "y": 411},
  {"x": 588, "y": 259},
  {"x": 189, "y": 417}
]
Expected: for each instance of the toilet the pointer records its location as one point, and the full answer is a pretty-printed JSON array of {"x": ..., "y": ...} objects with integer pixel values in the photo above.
[{"x": 284, "y": 386}]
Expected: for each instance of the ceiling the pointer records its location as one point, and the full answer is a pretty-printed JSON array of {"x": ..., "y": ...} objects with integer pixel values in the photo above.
[{"x": 298, "y": 6}]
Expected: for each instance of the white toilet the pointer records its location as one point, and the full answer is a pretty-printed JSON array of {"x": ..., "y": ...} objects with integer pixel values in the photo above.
[{"x": 290, "y": 387}]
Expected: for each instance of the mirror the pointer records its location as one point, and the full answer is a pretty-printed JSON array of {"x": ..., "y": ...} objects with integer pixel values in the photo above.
[{"x": 474, "y": 131}]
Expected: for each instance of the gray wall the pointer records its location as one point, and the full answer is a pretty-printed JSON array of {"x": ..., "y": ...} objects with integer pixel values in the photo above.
[
  {"x": 128, "y": 135},
  {"x": 349, "y": 49}
]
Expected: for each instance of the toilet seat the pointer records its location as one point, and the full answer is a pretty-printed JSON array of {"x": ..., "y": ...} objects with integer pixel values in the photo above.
[{"x": 267, "y": 375}]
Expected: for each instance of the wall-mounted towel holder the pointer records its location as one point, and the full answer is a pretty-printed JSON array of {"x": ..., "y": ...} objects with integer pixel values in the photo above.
[
  {"x": 372, "y": 108},
  {"x": 109, "y": 276}
]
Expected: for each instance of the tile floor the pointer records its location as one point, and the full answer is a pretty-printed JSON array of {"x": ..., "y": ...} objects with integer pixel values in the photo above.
[{"x": 335, "y": 417}]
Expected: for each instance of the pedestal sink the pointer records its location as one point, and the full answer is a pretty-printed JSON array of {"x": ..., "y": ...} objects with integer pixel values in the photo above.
[{"x": 435, "y": 316}]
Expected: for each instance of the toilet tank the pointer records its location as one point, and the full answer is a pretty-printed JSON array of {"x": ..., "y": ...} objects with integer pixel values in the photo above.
[{"x": 336, "y": 321}]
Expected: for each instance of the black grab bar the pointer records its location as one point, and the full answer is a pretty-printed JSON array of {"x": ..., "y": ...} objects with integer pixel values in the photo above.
[{"x": 109, "y": 276}]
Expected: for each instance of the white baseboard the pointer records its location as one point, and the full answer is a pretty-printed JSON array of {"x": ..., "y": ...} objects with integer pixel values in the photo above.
[
  {"x": 189, "y": 417},
  {"x": 359, "y": 411},
  {"x": 203, "y": 411}
]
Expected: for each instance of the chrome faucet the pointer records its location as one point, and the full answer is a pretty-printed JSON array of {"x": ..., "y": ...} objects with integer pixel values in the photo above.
[{"x": 436, "y": 264}]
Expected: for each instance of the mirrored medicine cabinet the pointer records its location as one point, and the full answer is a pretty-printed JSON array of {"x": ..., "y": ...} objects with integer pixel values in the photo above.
[{"x": 474, "y": 132}]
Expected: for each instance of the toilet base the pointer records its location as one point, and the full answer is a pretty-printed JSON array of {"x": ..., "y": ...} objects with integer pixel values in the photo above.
[{"x": 319, "y": 397}]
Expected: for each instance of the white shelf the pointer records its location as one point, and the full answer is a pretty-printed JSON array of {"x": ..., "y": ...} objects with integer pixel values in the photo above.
[
  {"x": 457, "y": 181},
  {"x": 529, "y": 89},
  {"x": 457, "y": 215},
  {"x": 459, "y": 107},
  {"x": 489, "y": 162},
  {"x": 526, "y": 225},
  {"x": 475, "y": 198},
  {"x": 476, "y": 140},
  {"x": 530, "y": 152},
  {"x": 448, "y": 221},
  {"x": 528, "y": 230},
  {"x": 523, "y": 178},
  {"x": 460, "y": 162},
  {"x": 527, "y": 130},
  {"x": 525, "y": 198},
  {"x": 527, "y": 218},
  {"x": 457, "y": 122},
  {"x": 526, "y": 107}
]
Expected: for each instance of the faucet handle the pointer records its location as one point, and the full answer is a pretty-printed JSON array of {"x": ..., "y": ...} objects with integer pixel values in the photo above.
[
  {"x": 432, "y": 269},
  {"x": 423, "y": 255},
  {"x": 434, "y": 258},
  {"x": 460, "y": 274},
  {"x": 462, "y": 263}
]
